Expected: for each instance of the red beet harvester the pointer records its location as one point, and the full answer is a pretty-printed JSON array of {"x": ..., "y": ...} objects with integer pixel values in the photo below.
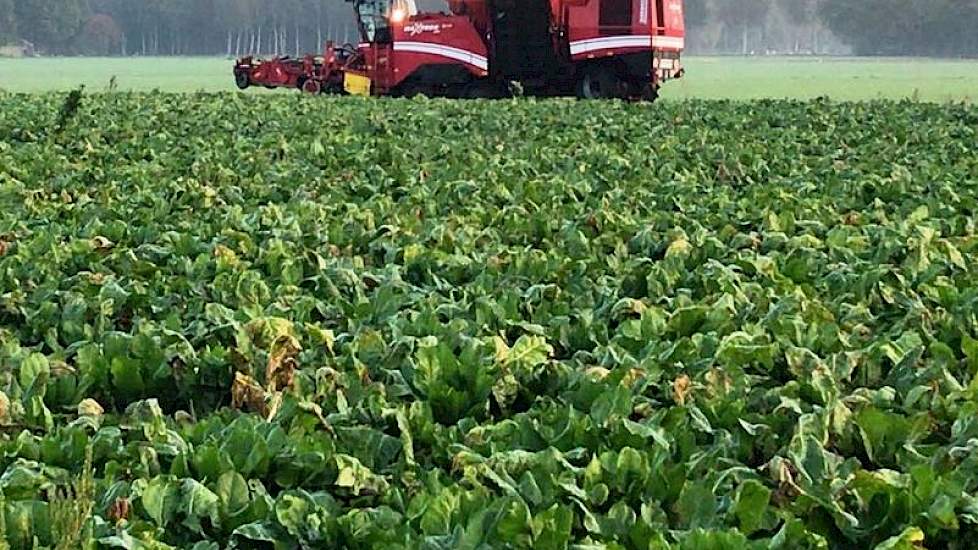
[{"x": 589, "y": 48}]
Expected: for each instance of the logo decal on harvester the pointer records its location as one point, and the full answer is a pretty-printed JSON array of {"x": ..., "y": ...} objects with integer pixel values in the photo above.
[{"x": 414, "y": 29}]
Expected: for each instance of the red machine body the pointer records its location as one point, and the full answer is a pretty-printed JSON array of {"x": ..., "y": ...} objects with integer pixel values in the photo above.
[
  {"x": 280, "y": 72},
  {"x": 311, "y": 74},
  {"x": 651, "y": 25},
  {"x": 449, "y": 46},
  {"x": 478, "y": 48}
]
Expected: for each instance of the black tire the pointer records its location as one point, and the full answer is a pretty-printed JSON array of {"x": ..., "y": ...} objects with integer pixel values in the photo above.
[
  {"x": 241, "y": 80},
  {"x": 311, "y": 86},
  {"x": 483, "y": 89},
  {"x": 475, "y": 90},
  {"x": 650, "y": 93},
  {"x": 600, "y": 82},
  {"x": 411, "y": 90},
  {"x": 334, "y": 87}
]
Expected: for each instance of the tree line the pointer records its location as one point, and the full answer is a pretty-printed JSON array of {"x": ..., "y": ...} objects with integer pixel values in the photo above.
[
  {"x": 233, "y": 27},
  {"x": 174, "y": 27}
]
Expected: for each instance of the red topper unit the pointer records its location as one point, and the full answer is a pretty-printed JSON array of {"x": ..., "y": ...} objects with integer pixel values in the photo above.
[{"x": 488, "y": 48}]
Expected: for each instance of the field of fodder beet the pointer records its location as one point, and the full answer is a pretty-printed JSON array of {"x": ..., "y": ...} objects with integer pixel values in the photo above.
[{"x": 290, "y": 322}]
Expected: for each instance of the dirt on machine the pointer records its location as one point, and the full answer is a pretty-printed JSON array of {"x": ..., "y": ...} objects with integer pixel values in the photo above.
[{"x": 592, "y": 49}]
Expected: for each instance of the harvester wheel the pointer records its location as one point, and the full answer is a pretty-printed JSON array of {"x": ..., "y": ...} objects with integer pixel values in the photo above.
[
  {"x": 412, "y": 90},
  {"x": 600, "y": 82},
  {"x": 483, "y": 89},
  {"x": 650, "y": 93},
  {"x": 312, "y": 86},
  {"x": 241, "y": 80}
]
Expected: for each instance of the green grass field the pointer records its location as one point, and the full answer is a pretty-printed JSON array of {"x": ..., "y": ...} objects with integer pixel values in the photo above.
[{"x": 707, "y": 77}]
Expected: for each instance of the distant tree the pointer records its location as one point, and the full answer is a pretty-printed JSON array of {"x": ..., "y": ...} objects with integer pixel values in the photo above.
[
  {"x": 741, "y": 16},
  {"x": 234, "y": 17},
  {"x": 902, "y": 27},
  {"x": 50, "y": 24},
  {"x": 949, "y": 27},
  {"x": 100, "y": 35},
  {"x": 164, "y": 27},
  {"x": 8, "y": 22},
  {"x": 697, "y": 12},
  {"x": 805, "y": 15},
  {"x": 31, "y": 11}
]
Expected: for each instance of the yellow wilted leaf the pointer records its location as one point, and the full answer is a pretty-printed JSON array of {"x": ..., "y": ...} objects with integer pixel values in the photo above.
[
  {"x": 4, "y": 409},
  {"x": 679, "y": 247},
  {"x": 90, "y": 407},
  {"x": 680, "y": 389},
  {"x": 598, "y": 373},
  {"x": 246, "y": 392},
  {"x": 282, "y": 362},
  {"x": 502, "y": 349}
]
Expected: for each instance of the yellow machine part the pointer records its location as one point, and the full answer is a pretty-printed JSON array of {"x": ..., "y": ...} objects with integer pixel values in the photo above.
[{"x": 355, "y": 84}]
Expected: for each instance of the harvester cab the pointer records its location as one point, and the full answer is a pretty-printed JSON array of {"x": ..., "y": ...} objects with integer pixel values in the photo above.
[{"x": 376, "y": 18}]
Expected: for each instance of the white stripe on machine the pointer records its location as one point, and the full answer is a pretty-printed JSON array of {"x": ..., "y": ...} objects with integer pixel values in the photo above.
[
  {"x": 671, "y": 42},
  {"x": 457, "y": 54},
  {"x": 610, "y": 42},
  {"x": 627, "y": 41}
]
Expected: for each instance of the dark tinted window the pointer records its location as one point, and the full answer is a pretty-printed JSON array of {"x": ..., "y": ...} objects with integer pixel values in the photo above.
[{"x": 616, "y": 13}]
